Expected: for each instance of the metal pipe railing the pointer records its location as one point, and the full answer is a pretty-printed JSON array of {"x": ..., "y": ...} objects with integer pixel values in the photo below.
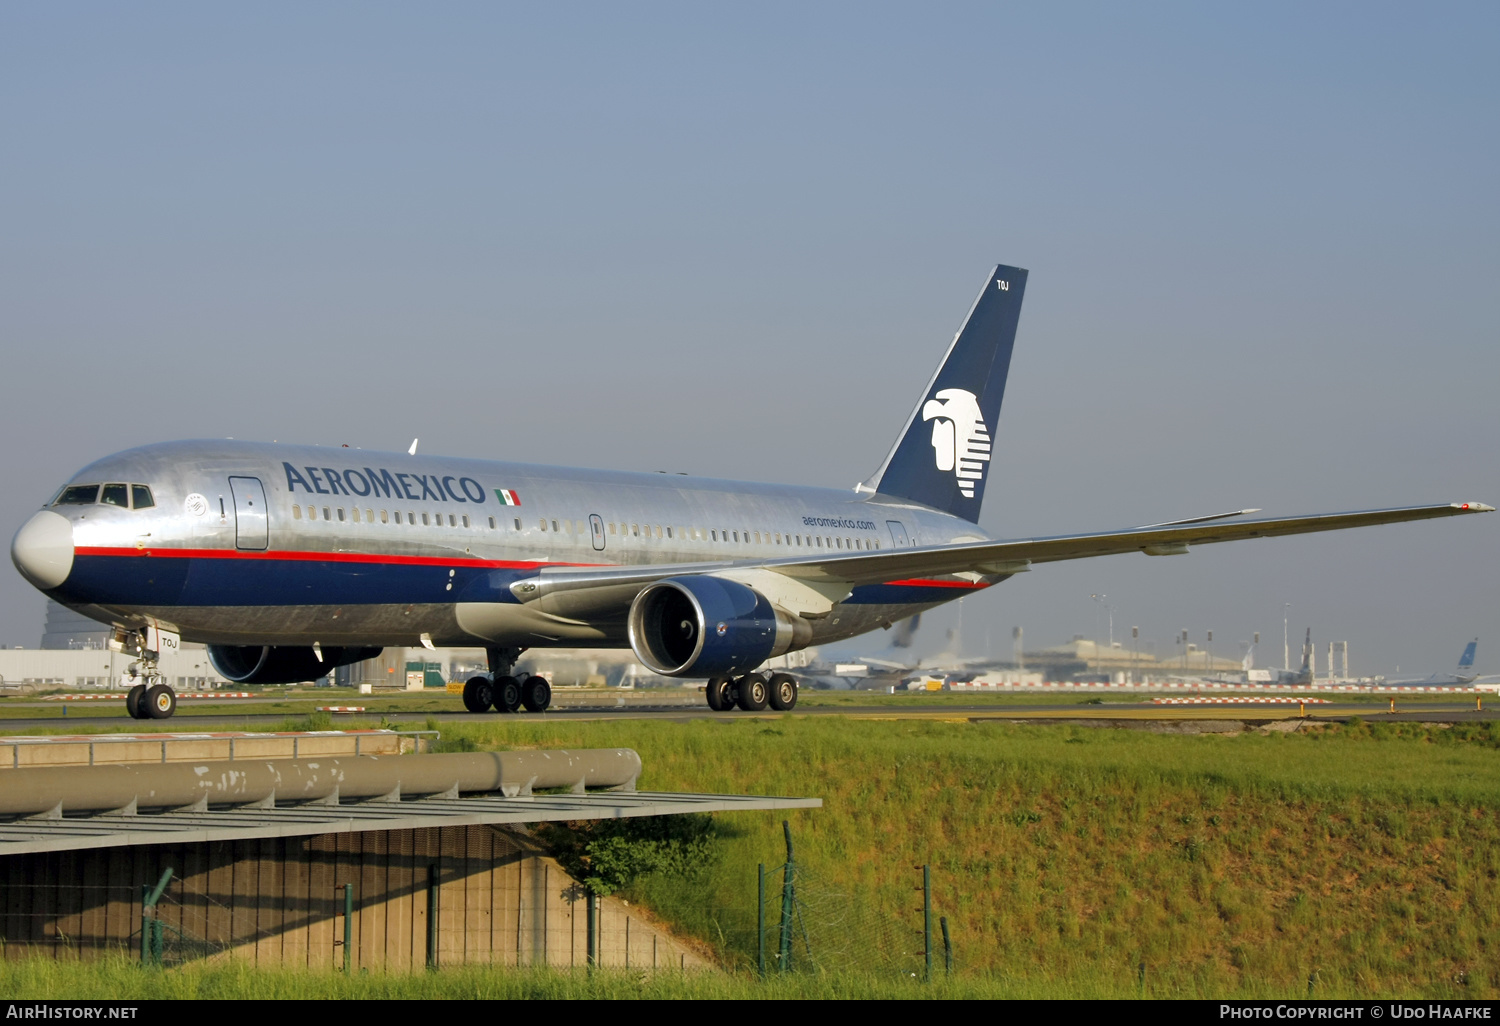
[
  {"x": 54, "y": 790},
  {"x": 16, "y": 744}
]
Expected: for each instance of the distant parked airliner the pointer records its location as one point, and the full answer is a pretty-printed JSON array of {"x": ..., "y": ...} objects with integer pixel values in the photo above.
[{"x": 288, "y": 561}]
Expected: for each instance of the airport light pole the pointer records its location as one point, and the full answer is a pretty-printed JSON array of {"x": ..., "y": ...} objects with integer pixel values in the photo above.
[
  {"x": 1286, "y": 649},
  {"x": 1208, "y": 654},
  {"x": 1110, "y": 610},
  {"x": 1135, "y": 654}
]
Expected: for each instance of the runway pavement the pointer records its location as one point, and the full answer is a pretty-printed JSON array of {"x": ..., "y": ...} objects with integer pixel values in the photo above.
[{"x": 1103, "y": 715}]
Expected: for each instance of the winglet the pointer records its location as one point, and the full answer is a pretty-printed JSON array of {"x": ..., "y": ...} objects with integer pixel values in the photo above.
[{"x": 413, "y": 450}]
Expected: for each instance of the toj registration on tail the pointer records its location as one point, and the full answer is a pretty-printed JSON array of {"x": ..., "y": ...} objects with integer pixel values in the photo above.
[{"x": 288, "y": 561}]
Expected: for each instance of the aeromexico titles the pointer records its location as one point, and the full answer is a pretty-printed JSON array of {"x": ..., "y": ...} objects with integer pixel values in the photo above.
[{"x": 288, "y": 561}]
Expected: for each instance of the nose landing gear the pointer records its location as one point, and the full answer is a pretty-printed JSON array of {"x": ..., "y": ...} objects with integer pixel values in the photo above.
[{"x": 151, "y": 698}]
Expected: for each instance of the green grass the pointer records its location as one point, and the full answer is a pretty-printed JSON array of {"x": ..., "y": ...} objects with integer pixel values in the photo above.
[
  {"x": 1064, "y": 858},
  {"x": 120, "y": 979}
]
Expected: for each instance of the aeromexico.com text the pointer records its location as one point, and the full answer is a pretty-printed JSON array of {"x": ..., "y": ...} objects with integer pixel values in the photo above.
[{"x": 848, "y": 525}]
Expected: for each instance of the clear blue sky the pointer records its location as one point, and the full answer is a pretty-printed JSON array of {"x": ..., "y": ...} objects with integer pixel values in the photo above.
[{"x": 735, "y": 240}]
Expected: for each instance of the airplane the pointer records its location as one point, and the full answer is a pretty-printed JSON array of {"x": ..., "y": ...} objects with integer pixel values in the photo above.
[
  {"x": 1461, "y": 677},
  {"x": 288, "y": 561}
]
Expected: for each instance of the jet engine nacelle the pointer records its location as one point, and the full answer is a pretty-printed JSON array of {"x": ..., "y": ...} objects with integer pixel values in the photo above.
[
  {"x": 281, "y": 664},
  {"x": 700, "y": 626}
]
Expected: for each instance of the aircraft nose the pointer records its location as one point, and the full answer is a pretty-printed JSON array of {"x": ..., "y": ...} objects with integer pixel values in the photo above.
[{"x": 43, "y": 549}]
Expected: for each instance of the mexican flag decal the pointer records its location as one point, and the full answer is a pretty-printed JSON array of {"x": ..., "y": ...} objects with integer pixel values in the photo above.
[{"x": 507, "y": 497}]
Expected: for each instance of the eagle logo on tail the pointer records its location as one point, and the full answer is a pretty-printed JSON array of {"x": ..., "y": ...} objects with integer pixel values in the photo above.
[{"x": 960, "y": 440}]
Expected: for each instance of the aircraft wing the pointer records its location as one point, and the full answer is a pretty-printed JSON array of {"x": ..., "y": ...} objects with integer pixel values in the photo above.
[
  {"x": 827, "y": 577},
  {"x": 1007, "y": 557}
]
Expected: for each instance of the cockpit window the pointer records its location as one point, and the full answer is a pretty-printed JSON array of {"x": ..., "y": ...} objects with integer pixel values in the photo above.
[
  {"x": 78, "y": 495},
  {"x": 140, "y": 497},
  {"x": 115, "y": 495}
]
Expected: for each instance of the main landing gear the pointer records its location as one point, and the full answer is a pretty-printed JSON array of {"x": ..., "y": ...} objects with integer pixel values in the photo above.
[
  {"x": 507, "y": 694},
  {"x": 752, "y": 692},
  {"x": 502, "y": 692}
]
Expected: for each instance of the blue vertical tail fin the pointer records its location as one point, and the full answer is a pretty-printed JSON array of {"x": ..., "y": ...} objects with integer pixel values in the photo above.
[
  {"x": 942, "y": 457},
  {"x": 1466, "y": 661}
]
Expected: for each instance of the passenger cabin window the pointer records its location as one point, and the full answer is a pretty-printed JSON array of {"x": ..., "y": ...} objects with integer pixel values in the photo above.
[
  {"x": 341, "y": 514},
  {"x": 492, "y": 523},
  {"x": 369, "y": 516},
  {"x": 325, "y": 514},
  {"x": 140, "y": 497},
  {"x": 518, "y": 523},
  {"x": 296, "y": 512},
  {"x": 385, "y": 518},
  {"x": 466, "y": 520},
  {"x": 354, "y": 514}
]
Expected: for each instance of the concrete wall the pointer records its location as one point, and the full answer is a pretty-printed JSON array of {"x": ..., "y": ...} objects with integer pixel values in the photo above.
[{"x": 277, "y": 902}]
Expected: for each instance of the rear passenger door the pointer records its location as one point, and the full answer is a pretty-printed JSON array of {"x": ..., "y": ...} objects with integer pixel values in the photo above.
[
  {"x": 251, "y": 530},
  {"x": 898, "y": 534}
]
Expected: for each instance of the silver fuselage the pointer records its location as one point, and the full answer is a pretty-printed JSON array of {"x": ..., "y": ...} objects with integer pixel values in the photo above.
[{"x": 352, "y": 547}]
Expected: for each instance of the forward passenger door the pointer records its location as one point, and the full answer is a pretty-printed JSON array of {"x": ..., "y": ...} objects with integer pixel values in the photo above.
[{"x": 251, "y": 530}]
